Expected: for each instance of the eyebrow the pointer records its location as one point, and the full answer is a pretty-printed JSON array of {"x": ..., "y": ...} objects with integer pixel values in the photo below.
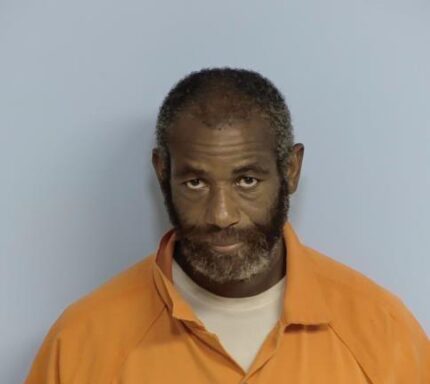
[
  {"x": 253, "y": 167},
  {"x": 188, "y": 169}
]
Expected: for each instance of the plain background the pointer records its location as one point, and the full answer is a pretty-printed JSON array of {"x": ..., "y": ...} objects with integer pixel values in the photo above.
[{"x": 80, "y": 85}]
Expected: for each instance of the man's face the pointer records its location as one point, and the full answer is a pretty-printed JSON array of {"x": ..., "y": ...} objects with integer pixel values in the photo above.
[{"x": 225, "y": 197}]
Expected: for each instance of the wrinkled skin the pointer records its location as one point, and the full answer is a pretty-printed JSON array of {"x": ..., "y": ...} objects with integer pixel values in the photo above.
[{"x": 228, "y": 200}]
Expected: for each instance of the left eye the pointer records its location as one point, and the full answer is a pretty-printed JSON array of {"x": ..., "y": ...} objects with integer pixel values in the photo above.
[{"x": 247, "y": 182}]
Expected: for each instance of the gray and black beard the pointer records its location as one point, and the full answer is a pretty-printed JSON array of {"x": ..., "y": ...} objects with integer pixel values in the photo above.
[{"x": 252, "y": 258}]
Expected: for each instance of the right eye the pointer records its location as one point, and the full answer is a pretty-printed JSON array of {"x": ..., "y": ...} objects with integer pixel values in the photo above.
[{"x": 195, "y": 184}]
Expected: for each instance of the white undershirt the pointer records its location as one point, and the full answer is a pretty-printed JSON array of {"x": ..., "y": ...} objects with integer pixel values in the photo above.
[{"x": 241, "y": 324}]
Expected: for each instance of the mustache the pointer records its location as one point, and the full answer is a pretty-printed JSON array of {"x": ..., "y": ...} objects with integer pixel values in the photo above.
[{"x": 214, "y": 235}]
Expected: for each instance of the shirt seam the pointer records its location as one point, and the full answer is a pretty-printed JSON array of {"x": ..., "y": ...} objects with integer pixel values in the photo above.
[
  {"x": 339, "y": 337},
  {"x": 121, "y": 366}
]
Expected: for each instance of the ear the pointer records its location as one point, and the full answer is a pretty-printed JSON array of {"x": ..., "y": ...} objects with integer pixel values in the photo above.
[
  {"x": 295, "y": 166},
  {"x": 159, "y": 164}
]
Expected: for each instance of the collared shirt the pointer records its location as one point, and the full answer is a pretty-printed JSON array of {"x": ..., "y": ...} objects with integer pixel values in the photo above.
[
  {"x": 336, "y": 326},
  {"x": 240, "y": 323}
]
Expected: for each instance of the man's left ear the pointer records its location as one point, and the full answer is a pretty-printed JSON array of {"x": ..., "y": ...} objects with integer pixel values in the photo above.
[{"x": 295, "y": 166}]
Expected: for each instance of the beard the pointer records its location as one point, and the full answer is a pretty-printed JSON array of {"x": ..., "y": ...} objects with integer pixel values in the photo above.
[{"x": 253, "y": 257}]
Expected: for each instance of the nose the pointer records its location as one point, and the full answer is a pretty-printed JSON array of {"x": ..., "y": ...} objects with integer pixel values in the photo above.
[{"x": 222, "y": 210}]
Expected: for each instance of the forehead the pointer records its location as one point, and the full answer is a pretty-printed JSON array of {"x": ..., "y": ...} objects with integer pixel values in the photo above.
[{"x": 225, "y": 143}]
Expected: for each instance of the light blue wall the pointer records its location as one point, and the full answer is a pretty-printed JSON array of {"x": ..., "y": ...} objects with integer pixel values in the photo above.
[{"x": 80, "y": 84}]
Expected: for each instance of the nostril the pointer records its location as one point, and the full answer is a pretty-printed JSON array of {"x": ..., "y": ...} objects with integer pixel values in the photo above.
[{"x": 222, "y": 216}]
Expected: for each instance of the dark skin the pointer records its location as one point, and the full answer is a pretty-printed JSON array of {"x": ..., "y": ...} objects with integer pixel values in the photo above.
[{"x": 226, "y": 176}]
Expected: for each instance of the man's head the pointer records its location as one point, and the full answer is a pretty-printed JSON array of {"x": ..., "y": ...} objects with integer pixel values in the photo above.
[{"x": 226, "y": 164}]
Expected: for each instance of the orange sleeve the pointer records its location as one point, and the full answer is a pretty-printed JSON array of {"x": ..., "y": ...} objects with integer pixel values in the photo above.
[{"x": 411, "y": 351}]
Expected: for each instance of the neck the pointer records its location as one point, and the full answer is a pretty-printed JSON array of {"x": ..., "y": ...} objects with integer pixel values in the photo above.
[{"x": 257, "y": 284}]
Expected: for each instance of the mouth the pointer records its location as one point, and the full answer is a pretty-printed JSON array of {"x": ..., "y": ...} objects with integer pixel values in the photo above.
[{"x": 226, "y": 248}]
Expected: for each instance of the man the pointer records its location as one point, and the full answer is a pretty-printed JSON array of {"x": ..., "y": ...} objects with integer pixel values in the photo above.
[{"x": 231, "y": 295}]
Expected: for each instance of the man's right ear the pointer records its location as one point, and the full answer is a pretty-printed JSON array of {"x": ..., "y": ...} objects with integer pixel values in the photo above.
[{"x": 159, "y": 164}]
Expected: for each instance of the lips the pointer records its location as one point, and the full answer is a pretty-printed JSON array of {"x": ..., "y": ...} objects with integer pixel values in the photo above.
[{"x": 226, "y": 248}]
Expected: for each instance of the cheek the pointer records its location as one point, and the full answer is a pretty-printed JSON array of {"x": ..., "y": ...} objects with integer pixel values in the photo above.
[
  {"x": 258, "y": 204},
  {"x": 190, "y": 209},
  {"x": 258, "y": 211}
]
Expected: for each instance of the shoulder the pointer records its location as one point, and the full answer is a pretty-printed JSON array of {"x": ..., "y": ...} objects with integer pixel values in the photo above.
[
  {"x": 126, "y": 301},
  {"x": 372, "y": 321},
  {"x": 107, "y": 323},
  {"x": 129, "y": 293},
  {"x": 336, "y": 277},
  {"x": 344, "y": 283}
]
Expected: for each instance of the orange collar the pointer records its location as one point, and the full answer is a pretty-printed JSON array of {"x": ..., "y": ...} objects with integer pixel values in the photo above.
[{"x": 304, "y": 302}]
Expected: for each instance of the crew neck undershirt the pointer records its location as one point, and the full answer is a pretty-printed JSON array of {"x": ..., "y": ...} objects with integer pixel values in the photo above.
[{"x": 241, "y": 324}]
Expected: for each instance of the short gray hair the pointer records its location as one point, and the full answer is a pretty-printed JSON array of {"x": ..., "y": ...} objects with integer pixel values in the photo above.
[{"x": 246, "y": 85}]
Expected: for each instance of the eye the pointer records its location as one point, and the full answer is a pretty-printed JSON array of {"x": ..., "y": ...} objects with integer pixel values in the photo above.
[
  {"x": 247, "y": 182},
  {"x": 195, "y": 184}
]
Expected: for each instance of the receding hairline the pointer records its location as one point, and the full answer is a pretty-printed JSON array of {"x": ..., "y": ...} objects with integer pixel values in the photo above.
[{"x": 216, "y": 110}]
